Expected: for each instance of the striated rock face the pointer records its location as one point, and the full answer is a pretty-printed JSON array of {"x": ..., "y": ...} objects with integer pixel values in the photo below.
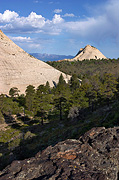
[
  {"x": 95, "y": 156},
  {"x": 88, "y": 52},
  {"x": 19, "y": 69}
]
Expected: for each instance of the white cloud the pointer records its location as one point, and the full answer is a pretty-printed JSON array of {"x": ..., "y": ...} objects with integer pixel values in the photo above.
[
  {"x": 57, "y": 19},
  {"x": 69, "y": 15},
  {"x": 32, "y": 23},
  {"x": 8, "y": 16},
  {"x": 101, "y": 26},
  {"x": 20, "y": 39},
  {"x": 32, "y": 44},
  {"x": 57, "y": 10},
  {"x": 35, "y": 20}
]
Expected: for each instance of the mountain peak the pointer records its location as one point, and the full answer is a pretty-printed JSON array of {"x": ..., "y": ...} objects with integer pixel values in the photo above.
[
  {"x": 19, "y": 69},
  {"x": 88, "y": 52},
  {"x": 88, "y": 46}
]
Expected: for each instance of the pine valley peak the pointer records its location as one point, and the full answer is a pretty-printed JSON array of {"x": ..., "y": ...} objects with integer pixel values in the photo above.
[
  {"x": 88, "y": 52},
  {"x": 19, "y": 69}
]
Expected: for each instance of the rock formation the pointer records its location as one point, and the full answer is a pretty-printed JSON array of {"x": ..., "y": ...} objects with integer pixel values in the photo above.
[
  {"x": 19, "y": 69},
  {"x": 94, "y": 156},
  {"x": 88, "y": 52}
]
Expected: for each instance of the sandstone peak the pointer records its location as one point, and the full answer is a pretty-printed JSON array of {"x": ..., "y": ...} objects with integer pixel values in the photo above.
[
  {"x": 19, "y": 69},
  {"x": 88, "y": 52}
]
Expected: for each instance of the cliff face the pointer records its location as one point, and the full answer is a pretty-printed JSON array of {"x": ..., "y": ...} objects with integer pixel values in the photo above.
[
  {"x": 94, "y": 156},
  {"x": 19, "y": 69},
  {"x": 88, "y": 52}
]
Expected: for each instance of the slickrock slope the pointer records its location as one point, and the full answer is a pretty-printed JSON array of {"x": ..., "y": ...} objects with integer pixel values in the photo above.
[
  {"x": 19, "y": 69},
  {"x": 88, "y": 52},
  {"x": 95, "y": 156}
]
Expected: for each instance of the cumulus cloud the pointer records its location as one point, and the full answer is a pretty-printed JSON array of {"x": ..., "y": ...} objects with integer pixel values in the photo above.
[
  {"x": 57, "y": 10},
  {"x": 69, "y": 15},
  {"x": 57, "y": 19},
  {"x": 8, "y": 16},
  {"x": 101, "y": 26},
  {"x": 10, "y": 21}
]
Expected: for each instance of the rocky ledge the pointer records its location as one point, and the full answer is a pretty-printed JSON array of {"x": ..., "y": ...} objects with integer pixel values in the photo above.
[{"x": 94, "y": 156}]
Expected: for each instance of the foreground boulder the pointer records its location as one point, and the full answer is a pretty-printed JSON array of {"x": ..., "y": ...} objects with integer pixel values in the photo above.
[{"x": 95, "y": 156}]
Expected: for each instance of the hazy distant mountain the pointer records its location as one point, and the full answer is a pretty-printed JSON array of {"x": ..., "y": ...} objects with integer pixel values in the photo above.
[
  {"x": 88, "y": 52},
  {"x": 19, "y": 69},
  {"x": 50, "y": 57}
]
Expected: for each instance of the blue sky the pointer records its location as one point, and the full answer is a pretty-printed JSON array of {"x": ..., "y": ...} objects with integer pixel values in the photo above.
[{"x": 62, "y": 26}]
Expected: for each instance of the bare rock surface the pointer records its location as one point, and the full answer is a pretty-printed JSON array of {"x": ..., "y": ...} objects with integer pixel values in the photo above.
[
  {"x": 19, "y": 69},
  {"x": 94, "y": 156},
  {"x": 88, "y": 52}
]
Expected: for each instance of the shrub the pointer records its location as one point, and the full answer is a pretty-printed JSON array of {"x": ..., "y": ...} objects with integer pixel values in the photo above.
[{"x": 73, "y": 113}]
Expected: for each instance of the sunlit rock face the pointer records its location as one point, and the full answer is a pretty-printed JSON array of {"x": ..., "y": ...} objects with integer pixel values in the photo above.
[
  {"x": 19, "y": 69},
  {"x": 88, "y": 52},
  {"x": 94, "y": 156}
]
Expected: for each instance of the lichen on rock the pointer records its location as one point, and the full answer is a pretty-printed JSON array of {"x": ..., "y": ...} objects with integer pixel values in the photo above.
[{"x": 94, "y": 156}]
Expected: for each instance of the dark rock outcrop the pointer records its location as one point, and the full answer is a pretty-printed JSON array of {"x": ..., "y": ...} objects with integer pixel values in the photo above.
[{"x": 95, "y": 156}]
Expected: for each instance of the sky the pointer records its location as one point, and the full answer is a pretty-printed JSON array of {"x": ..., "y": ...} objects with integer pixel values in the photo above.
[{"x": 62, "y": 26}]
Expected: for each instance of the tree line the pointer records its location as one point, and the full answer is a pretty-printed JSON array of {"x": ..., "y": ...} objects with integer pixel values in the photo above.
[
  {"x": 88, "y": 68},
  {"x": 65, "y": 100}
]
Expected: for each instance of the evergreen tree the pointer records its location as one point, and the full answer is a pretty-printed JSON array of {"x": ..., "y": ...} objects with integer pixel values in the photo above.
[
  {"x": 30, "y": 94},
  {"x": 93, "y": 88},
  {"x": 60, "y": 104},
  {"x": 61, "y": 86},
  {"x": 21, "y": 100},
  {"x": 109, "y": 87},
  {"x": 14, "y": 92},
  {"x": 47, "y": 86},
  {"x": 74, "y": 83},
  {"x": 61, "y": 96},
  {"x": 42, "y": 102}
]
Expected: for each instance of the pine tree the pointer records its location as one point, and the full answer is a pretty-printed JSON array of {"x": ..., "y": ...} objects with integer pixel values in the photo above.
[
  {"x": 42, "y": 102},
  {"x": 61, "y": 93},
  {"x": 109, "y": 87},
  {"x": 14, "y": 92},
  {"x": 30, "y": 94},
  {"x": 74, "y": 83}
]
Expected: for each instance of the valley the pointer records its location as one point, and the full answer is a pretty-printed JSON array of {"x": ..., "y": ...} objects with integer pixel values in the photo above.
[{"x": 43, "y": 104}]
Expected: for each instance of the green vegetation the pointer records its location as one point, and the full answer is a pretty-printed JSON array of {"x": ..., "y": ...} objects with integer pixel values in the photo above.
[
  {"x": 45, "y": 115},
  {"x": 88, "y": 68}
]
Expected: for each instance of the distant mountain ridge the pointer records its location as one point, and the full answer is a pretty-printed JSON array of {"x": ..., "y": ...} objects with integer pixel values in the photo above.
[
  {"x": 50, "y": 57},
  {"x": 88, "y": 52}
]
